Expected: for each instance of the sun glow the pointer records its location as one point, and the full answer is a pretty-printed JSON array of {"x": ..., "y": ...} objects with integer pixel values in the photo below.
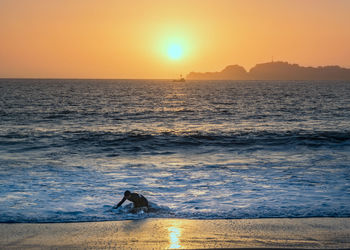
[
  {"x": 175, "y": 46},
  {"x": 175, "y": 51}
]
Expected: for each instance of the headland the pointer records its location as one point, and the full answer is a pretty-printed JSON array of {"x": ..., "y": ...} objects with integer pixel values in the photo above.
[{"x": 274, "y": 71}]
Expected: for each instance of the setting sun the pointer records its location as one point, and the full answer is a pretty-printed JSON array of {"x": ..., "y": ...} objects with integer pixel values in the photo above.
[{"x": 175, "y": 51}]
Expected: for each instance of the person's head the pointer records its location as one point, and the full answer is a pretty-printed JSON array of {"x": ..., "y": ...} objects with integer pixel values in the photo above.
[{"x": 127, "y": 194}]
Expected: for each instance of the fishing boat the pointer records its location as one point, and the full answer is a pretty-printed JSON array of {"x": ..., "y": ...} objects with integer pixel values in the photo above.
[{"x": 181, "y": 79}]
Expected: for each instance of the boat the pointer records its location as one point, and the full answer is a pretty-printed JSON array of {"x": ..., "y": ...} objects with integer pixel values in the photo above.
[{"x": 181, "y": 79}]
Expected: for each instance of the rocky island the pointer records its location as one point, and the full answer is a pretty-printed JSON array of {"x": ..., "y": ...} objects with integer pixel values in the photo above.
[{"x": 275, "y": 71}]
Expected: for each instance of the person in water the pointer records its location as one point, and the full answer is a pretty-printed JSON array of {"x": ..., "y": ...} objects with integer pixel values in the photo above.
[{"x": 137, "y": 199}]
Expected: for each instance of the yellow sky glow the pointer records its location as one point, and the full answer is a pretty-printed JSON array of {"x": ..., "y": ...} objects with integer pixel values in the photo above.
[{"x": 134, "y": 39}]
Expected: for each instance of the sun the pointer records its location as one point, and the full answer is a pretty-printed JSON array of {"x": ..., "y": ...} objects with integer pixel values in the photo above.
[{"x": 175, "y": 51}]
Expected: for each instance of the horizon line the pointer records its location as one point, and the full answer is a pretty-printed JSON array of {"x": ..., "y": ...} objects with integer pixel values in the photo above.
[
  {"x": 132, "y": 78},
  {"x": 170, "y": 79}
]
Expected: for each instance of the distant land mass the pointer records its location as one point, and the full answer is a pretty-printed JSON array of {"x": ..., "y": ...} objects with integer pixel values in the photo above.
[{"x": 274, "y": 71}]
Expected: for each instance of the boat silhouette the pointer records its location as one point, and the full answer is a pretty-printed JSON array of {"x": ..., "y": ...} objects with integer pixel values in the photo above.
[{"x": 181, "y": 79}]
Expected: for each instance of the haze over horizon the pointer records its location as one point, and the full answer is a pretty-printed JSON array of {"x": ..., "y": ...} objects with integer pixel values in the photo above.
[{"x": 162, "y": 39}]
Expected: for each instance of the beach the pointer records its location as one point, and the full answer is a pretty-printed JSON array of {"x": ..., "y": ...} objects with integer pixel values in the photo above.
[{"x": 296, "y": 233}]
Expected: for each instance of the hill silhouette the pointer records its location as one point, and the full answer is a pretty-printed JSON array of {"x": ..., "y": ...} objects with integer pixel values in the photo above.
[{"x": 275, "y": 71}]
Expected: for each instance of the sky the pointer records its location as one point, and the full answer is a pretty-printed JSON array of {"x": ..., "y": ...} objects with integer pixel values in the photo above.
[{"x": 165, "y": 38}]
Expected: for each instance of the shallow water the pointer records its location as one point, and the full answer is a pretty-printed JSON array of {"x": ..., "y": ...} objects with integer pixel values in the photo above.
[{"x": 224, "y": 149}]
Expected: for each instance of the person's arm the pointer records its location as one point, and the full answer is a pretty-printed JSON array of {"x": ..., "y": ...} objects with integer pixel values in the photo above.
[{"x": 120, "y": 203}]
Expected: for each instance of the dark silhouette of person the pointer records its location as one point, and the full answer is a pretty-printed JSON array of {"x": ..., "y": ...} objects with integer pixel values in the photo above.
[{"x": 137, "y": 199}]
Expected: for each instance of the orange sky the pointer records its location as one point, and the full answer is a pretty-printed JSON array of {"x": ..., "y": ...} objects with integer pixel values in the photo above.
[{"x": 129, "y": 39}]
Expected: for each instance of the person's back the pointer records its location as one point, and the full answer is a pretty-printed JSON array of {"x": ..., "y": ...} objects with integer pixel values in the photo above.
[{"x": 137, "y": 199}]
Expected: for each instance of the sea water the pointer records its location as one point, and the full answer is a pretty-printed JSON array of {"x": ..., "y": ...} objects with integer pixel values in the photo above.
[{"x": 200, "y": 149}]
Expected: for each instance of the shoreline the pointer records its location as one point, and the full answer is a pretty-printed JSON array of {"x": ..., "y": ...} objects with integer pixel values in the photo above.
[
  {"x": 153, "y": 233},
  {"x": 172, "y": 218}
]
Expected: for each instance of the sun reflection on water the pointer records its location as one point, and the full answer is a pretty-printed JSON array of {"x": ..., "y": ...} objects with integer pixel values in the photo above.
[{"x": 174, "y": 237}]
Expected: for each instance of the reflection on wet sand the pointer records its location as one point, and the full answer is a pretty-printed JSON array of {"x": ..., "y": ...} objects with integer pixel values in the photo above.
[
  {"x": 325, "y": 233},
  {"x": 174, "y": 236}
]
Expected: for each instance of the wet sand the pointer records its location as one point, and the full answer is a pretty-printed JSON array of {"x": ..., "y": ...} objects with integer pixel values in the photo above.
[{"x": 320, "y": 233}]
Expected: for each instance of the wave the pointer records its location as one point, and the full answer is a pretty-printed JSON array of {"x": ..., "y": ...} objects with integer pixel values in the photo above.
[
  {"x": 144, "y": 142},
  {"x": 106, "y": 213},
  {"x": 153, "y": 140}
]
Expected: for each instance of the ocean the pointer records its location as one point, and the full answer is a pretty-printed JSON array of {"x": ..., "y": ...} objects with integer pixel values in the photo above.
[{"x": 198, "y": 150}]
